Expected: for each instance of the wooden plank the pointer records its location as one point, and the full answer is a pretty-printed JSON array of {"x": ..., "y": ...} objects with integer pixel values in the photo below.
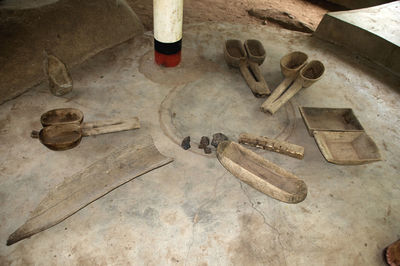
[
  {"x": 276, "y": 93},
  {"x": 95, "y": 181},
  {"x": 275, "y": 145},
  {"x": 109, "y": 126},
  {"x": 260, "y": 173},
  {"x": 252, "y": 75},
  {"x": 284, "y": 98}
]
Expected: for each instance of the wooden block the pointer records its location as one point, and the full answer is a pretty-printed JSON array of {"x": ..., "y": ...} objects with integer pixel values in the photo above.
[{"x": 279, "y": 146}]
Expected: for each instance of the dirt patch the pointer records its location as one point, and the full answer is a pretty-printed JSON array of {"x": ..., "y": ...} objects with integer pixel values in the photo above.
[
  {"x": 308, "y": 12},
  {"x": 281, "y": 18}
]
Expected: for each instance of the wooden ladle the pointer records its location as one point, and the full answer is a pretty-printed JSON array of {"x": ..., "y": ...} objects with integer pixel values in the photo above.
[
  {"x": 309, "y": 74},
  {"x": 59, "y": 137},
  {"x": 248, "y": 58},
  {"x": 290, "y": 68},
  {"x": 63, "y": 128}
]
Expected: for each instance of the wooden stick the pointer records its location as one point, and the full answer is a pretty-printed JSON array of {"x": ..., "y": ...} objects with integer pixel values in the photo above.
[
  {"x": 279, "y": 146},
  {"x": 277, "y": 93},
  {"x": 295, "y": 88},
  {"x": 109, "y": 126},
  {"x": 252, "y": 75}
]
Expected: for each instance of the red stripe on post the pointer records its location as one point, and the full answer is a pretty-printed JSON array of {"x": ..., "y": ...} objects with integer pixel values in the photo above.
[{"x": 171, "y": 60}]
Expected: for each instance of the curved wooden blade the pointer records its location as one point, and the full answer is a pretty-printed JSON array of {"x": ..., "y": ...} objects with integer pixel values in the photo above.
[
  {"x": 98, "y": 179},
  {"x": 260, "y": 173}
]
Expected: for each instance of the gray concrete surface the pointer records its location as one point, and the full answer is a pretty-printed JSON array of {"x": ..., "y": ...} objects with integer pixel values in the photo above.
[
  {"x": 353, "y": 4},
  {"x": 370, "y": 32},
  {"x": 72, "y": 30},
  {"x": 192, "y": 211}
]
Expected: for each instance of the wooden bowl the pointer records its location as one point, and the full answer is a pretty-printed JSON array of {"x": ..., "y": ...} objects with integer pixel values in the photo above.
[
  {"x": 61, "y": 116},
  {"x": 234, "y": 53},
  {"x": 292, "y": 63},
  {"x": 61, "y": 137},
  {"x": 255, "y": 51},
  {"x": 312, "y": 72}
]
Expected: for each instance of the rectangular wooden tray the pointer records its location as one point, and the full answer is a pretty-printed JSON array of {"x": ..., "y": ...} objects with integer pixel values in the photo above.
[
  {"x": 347, "y": 147},
  {"x": 330, "y": 119}
]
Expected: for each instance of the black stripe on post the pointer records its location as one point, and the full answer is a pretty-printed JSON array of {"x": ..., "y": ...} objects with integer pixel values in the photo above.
[{"x": 168, "y": 48}]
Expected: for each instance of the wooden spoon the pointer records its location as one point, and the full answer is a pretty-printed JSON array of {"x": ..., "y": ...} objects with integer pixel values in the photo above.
[
  {"x": 61, "y": 137},
  {"x": 309, "y": 74},
  {"x": 290, "y": 67}
]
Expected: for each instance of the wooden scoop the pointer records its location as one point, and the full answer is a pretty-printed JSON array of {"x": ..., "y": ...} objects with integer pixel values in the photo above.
[
  {"x": 260, "y": 173},
  {"x": 60, "y": 137},
  {"x": 255, "y": 51},
  {"x": 309, "y": 74},
  {"x": 60, "y": 81},
  {"x": 61, "y": 116},
  {"x": 236, "y": 56},
  {"x": 290, "y": 67},
  {"x": 234, "y": 53}
]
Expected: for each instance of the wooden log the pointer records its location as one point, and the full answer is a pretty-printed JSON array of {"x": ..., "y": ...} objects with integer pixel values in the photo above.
[{"x": 279, "y": 146}]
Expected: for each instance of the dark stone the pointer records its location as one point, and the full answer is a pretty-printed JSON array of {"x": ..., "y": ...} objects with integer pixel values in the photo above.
[
  {"x": 204, "y": 142},
  {"x": 207, "y": 150},
  {"x": 217, "y": 138},
  {"x": 186, "y": 143}
]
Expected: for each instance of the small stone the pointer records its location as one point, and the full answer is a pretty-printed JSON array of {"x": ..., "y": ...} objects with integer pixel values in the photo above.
[
  {"x": 207, "y": 150},
  {"x": 186, "y": 143},
  {"x": 264, "y": 22},
  {"x": 204, "y": 142},
  {"x": 217, "y": 138}
]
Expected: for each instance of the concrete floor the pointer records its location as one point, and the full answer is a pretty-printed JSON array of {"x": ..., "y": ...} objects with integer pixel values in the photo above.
[
  {"x": 367, "y": 19},
  {"x": 369, "y": 32},
  {"x": 192, "y": 211}
]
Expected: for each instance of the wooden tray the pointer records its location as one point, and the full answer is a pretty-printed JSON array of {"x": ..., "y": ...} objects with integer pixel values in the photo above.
[
  {"x": 347, "y": 147},
  {"x": 330, "y": 119},
  {"x": 260, "y": 173}
]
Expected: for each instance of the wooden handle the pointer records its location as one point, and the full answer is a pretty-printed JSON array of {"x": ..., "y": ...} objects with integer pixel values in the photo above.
[
  {"x": 275, "y": 145},
  {"x": 277, "y": 93},
  {"x": 252, "y": 75},
  {"x": 295, "y": 88},
  {"x": 109, "y": 126},
  {"x": 35, "y": 134}
]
